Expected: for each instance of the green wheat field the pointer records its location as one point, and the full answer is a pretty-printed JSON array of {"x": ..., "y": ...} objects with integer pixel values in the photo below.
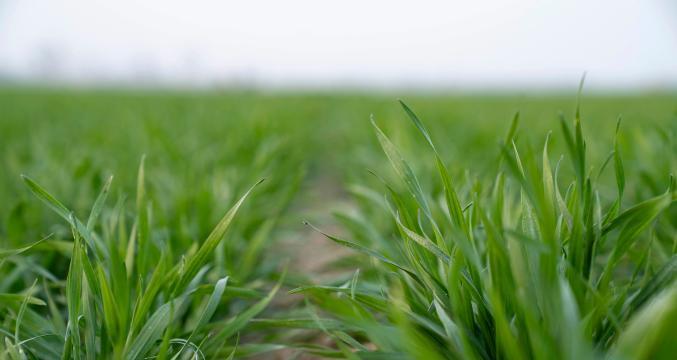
[{"x": 248, "y": 224}]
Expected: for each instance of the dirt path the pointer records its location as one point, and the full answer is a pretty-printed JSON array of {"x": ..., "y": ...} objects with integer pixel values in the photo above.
[{"x": 310, "y": 253}]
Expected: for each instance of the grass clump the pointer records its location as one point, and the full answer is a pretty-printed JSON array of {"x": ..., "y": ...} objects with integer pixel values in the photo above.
[
  {"x": 126, "y": 295},
  {"x": 523, "y": 264}
]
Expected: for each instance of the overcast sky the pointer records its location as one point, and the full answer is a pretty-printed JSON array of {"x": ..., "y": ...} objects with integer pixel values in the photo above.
[{"x": 623, "y": 44}]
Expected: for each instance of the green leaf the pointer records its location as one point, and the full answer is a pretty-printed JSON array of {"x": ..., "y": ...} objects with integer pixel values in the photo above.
[
  {"x": 74, "y": 296},
  {"x": 236, "y": 323},
  {"x": 22, "y": 311},
  {"x": 451, "y": 195},
  {"x": 650, "y": 333},
  {"x": 365, "y": 250},
  {"x": 196, "y": 261},
  {"x": 208, "y": 311},
  {"x": 424, "y": 242},
  {"x": 98, "y": 204},
  {"x": 402, "y": 169},
  {"x": 633, "y": 221},
  {"x": 5, "y": 253},
  {"x": 618, "y": 164},
  {"x": 152, "y": 330},
  {"x": 47, "y": 198},
  {"x": 61, "y": 210},
  {"x": 8, "y": 299}
]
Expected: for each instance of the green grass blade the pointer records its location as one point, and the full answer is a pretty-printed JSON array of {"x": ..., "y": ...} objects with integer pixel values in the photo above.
[
  {"x": 650, "y": 333},
  {"x": 402, "y": 169},
  {"x": 74, "y": 299},
  {"x": 152, "y": 330},
  {"x": 232, "y": 326},
  {"x": 365, "y": 250},
  {"x": 633, "y": 221},
  {"x": 5, "y": 253},
  {"x": 47, "y": 198},
  {"x": 451, "y": 195},
  {"x": 196, "y": 261},
  {"x": 209, "y": 310},
  {"x": 618, "y": 163},
  {"x": 424, "y": 242},
  {"x": 98, "y": 204}
]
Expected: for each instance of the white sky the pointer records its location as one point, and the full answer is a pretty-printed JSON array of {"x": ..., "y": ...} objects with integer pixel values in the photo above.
[{"x": 457, "y": 44}]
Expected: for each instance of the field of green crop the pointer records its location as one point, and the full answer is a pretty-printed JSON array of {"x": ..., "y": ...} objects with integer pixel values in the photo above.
[{"x": 219, "y": 225}]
